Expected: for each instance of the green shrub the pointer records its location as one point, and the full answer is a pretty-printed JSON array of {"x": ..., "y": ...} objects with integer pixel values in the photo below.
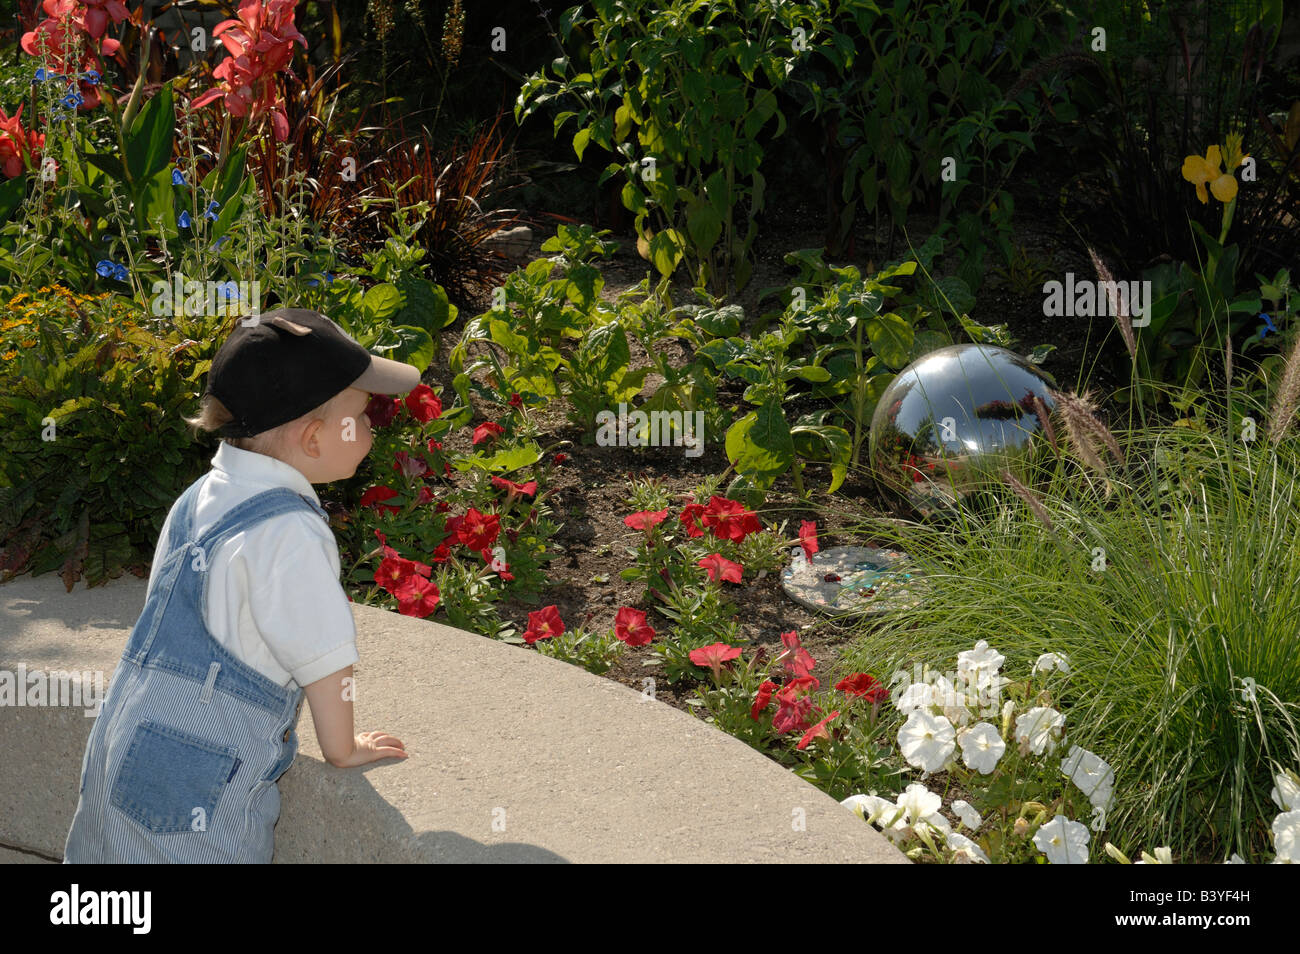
[{"x": 95, "y": 449}]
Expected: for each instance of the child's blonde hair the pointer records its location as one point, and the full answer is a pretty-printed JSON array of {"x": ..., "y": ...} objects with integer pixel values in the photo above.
[{"x": 213, "y": 415}]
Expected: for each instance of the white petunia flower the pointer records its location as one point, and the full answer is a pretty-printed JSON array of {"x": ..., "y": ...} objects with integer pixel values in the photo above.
[
  {"x": 926, "y": 741},
  {"x": 918, "y": 803},
  {"x": 872, "y": 808},
  {"x": 967, "y": 815},
  {"x": 1038, "y": 729},
  {"x": 1049, "y": 661},
  {"x": 981, "y": 747},
  {"x": 1286, "y": 791},
  {"x": 1286, "y": 838},
  {"x": 918, "y": 695},
  {"x": 953, "y": 700},
  {"x": 1163, "y": 856},
  {"x": 967, "y": 850},
  {"x": 1091, "y": 774},
  {"x": 977, "y": 660},
  {"x": 1236, "y": 859},
  {"x": 1064, "y": 842}
]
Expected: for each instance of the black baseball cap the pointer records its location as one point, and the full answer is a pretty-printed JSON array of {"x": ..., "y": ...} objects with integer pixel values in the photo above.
[{"x": 290, "y": 361}]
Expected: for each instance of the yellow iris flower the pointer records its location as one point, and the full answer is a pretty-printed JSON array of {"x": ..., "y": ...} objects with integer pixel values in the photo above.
[{"x": 1200, "y": 171}]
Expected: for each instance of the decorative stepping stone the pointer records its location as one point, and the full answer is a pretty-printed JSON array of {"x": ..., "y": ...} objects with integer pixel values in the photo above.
[{"x": 854, "y": 579}]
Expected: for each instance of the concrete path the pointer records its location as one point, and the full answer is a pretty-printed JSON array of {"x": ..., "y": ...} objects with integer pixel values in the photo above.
[{"x": 515, "y": 757}]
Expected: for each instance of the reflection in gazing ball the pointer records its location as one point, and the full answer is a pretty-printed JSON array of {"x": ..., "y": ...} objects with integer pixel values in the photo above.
[{"x": 954, "y": 419}]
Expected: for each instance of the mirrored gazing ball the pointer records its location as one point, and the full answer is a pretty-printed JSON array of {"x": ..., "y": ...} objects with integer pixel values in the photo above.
[{"x": 956, "y": 418}]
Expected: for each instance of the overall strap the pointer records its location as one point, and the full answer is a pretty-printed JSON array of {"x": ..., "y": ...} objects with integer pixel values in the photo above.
[{"x": 259, "y": 507}]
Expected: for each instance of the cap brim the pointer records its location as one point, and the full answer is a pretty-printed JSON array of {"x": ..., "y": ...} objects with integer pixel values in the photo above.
[{"x": 385, "y": 376}]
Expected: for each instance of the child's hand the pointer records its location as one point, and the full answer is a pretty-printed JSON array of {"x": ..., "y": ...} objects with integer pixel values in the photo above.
[
  {"x": 373, "y": 746},
  {"x": 331, "y": 709}
]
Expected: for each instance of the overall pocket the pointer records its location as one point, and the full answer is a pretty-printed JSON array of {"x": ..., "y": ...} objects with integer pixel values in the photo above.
[{"x": 170, "y": 780}]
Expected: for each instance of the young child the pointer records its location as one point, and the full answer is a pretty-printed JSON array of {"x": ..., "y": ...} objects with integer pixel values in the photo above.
[{"x": 244, "y": 613}]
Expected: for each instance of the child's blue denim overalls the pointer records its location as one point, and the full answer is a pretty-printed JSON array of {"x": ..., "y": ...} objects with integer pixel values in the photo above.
[{"x": 183, "y": 759}]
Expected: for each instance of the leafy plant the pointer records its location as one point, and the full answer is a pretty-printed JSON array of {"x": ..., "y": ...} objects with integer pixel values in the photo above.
[
  {"x": 684, "y": 92},
  {"x": 916, "y": 114}
]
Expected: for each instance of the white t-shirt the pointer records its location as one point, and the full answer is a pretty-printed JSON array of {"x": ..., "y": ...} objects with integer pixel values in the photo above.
[{"x": 274, "y": 597}]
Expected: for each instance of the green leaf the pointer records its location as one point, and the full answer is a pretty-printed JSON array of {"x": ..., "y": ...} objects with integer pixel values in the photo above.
[
  {"x": 502, "y": 462},
  {"x": 814, "y": 374},
  {"x": 381, "y": 302},
  {"x": 426, "y": 305},
  {"x": 156, "y": 205},
  {"x": 580, "y": 140},
  {"x": 666, "y": 250},
  {"x": 891, "y": 338},
  {"x": 759, "y": 445},
  {"x": 415, "y": 346},
  {"x": 704, "y": 225},
  {"x": 149, "y": 141},
  {"x": 11, "y": 196}
]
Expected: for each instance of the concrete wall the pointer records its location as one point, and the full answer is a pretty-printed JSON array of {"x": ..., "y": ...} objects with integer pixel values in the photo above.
[{"x": 577, "y": 767}]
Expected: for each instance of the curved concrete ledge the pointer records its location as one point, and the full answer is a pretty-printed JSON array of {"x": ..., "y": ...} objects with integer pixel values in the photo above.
[{"x": 515, "y": 757}]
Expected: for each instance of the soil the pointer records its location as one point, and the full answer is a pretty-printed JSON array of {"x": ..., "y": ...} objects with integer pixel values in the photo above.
[{"x": 590, "y": 494}]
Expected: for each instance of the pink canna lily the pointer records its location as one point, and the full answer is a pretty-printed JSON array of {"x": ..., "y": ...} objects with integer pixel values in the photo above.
[{"x": 260, "y": 44}]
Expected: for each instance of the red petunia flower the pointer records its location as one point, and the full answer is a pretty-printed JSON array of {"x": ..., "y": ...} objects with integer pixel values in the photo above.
[
  {"x": 730, "y": 520},
  {"x": 406, "y": 463},
  {"x": 424, "y": 495},
  {"x": 516, "y": 401},
  {"x": 796, "y": 659},
  {"x": 424, "y": 405},
  {"x": 720, "y": 568},
  {"x": 808, "y": 537},
  {"x": 372, "y": 497},
  {"x": 763, "y": 699},
  {"x": 690, "y": 519},
  {"x": 487, "y": 431},
  {"x": 543, "y": 624},
  {"x": 714, "y": 656},
  {"x": 515, "y": 490},
  {"x": 394, "y": 571},
  {"x": 381, "y": 409},
  {"x": 630, "y": 626},
  {"x": 561, "y": 458},
  {"x": 417, "y": 597},
  {"x": 478, "y": 531},
  {"x": 794, "y": 705},
  {"x": 864, "y": 686},
  {"x": 646, "y": 519},
  {"x": 383, "y": 542},
  {"x": 817, "y": 732}
]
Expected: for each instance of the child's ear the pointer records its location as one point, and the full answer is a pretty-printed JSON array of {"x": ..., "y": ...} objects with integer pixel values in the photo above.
[{"x": 309, "y": 441}]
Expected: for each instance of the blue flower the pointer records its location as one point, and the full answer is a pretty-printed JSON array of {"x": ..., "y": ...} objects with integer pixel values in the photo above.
[
  {"x": 312, "y": 283},
  {"x": 184, "y": 220},
  {"x": 227, "y": 290},
  {"x": 222, "y": 241},
  {"x": 73, "y": 100},
  {"x": 211, "y": 212},
  {"x": 177, "y": 177},
  {"x": 1268, "y": 322},
  {"x": 43, "y": 74},
  {"x": 91, "y": 77},
  {"x": 108, "y": 269}
]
